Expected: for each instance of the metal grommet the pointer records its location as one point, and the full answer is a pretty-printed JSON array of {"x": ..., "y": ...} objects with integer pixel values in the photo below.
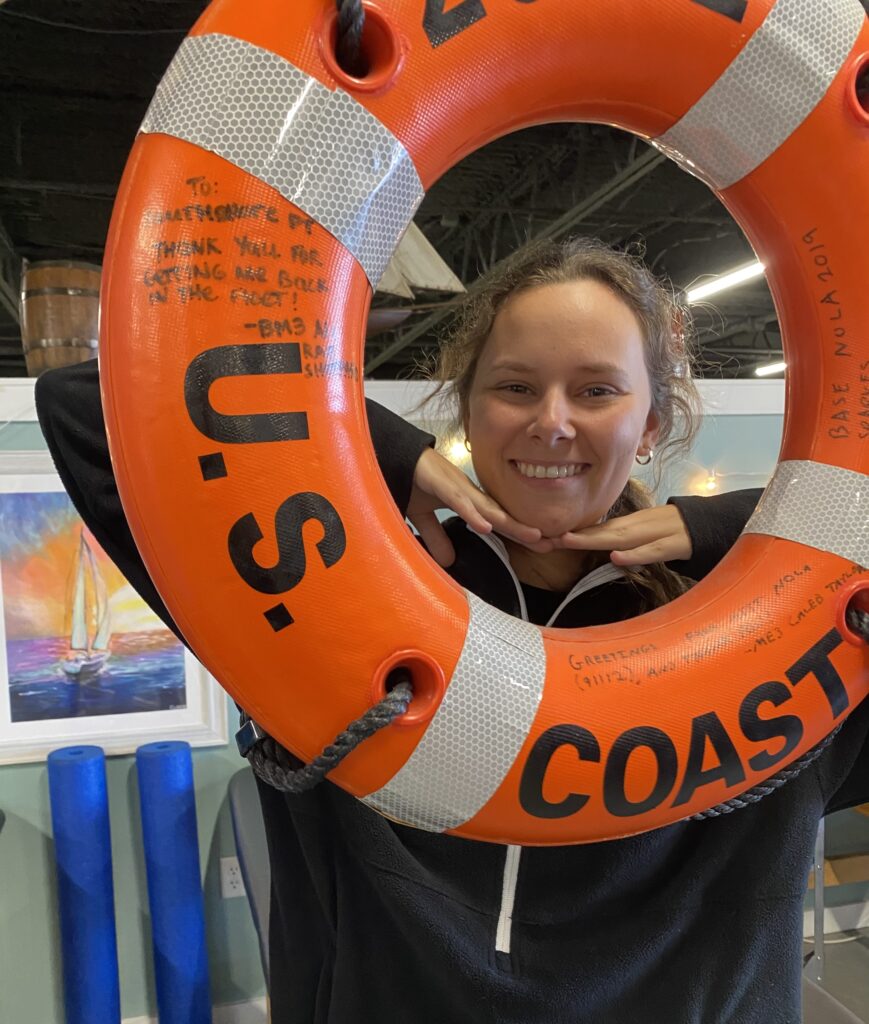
[{"x": 248, "y": 736}]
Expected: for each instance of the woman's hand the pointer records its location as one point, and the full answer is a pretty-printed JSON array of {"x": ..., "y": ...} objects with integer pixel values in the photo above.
[
  {"x": 651, "y": 535},
  {"x": 437, "y": 483}
]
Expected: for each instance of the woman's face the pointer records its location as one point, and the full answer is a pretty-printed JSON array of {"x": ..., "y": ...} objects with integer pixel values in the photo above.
[{"x": 560, "y": 405}]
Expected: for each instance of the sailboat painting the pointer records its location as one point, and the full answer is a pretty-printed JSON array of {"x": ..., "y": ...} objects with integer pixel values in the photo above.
[
  {"x": 78, "y": 640},
  {"x": 88, "y": 653}
]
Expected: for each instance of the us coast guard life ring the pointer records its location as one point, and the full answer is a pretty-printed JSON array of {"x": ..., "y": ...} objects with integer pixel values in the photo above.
[{"x": 262, "y": 200}]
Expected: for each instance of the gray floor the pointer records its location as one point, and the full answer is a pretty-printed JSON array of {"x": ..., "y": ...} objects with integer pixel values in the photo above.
[{"x": 847, "y": 970}]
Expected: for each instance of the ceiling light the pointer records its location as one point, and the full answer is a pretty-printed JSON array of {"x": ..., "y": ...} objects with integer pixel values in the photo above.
[
  {"x": 719, "y": 284},
  {"x": 765, "y": 371}
]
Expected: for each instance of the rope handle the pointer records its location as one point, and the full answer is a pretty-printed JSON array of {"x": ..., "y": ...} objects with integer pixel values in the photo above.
[
  {"x": 351, "y": 20},
  {"x": 276, "y": 766}
]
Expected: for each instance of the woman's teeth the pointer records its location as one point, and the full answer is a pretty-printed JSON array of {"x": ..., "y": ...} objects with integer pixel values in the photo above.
[{"x": 550, "y": 472}]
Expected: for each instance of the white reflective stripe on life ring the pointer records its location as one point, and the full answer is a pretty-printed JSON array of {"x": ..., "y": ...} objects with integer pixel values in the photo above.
[
  {"x": 477, "y": 732},
  {"x": 318, "y": 147},
  {"x": 825, "y": 507},
  {"x": 772, "y": 85}
]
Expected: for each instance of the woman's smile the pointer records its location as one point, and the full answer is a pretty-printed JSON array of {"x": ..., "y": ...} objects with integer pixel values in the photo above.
[{"x": 549, "y": 471}]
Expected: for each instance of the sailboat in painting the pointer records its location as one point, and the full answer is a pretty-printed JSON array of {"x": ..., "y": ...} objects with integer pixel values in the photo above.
[{"x": 90, "y": 610}]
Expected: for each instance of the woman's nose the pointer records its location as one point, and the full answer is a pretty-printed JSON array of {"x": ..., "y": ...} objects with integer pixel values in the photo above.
[{"x": 552, "y": 419}]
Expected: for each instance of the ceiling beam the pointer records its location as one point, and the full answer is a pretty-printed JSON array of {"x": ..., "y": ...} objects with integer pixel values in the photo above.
[
  {"x": 754, "y": 353},
  {"x": 631, "y": 175},
  {"x": 66, "y": 188}
]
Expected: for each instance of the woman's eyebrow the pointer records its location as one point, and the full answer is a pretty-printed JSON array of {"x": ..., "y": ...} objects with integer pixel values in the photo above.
[
  {"x": 512, "y": 367},
  {"x": 593, "y": 368},
  {"x": 602, "y": 368}
]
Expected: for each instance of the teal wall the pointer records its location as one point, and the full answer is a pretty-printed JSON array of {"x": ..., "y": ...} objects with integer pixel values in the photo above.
[
  {"x": 30, "y": 986},
  {"x": 742, "y": 450}
]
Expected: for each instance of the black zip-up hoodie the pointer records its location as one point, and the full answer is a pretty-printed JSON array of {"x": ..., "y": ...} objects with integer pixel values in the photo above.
[{"x": 371, "y": 921}]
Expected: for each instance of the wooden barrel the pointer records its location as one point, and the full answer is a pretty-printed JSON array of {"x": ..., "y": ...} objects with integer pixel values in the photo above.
[{"x": 60, "y": 303}]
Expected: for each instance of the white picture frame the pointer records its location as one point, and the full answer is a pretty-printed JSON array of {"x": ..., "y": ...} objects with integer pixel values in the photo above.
[{"x": 43, "y": 705}]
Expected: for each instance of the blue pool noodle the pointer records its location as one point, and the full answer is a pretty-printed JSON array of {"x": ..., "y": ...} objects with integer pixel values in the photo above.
[
  {"x": 83, "y": 852},
  {"x": 174, "y": 887}
]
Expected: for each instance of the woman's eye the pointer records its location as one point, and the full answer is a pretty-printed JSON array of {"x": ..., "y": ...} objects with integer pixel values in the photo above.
[
  {"x": 599, "y": 392},
  {"x": 515, "y": 389}
]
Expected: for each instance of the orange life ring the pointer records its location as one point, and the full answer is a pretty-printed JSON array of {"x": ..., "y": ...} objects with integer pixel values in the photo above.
[{"x": 265, "y": 192}]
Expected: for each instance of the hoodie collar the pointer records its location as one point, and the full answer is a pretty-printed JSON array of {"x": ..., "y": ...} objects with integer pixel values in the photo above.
[{"x": 606, "y": 573}]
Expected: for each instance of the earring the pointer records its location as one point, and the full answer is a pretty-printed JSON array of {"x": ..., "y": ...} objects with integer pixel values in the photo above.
[
  {"x": 467, "y": 446},
  {"x": 647, "y": 460}
]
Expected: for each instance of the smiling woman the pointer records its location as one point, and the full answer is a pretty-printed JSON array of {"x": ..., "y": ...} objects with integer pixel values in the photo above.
[
  {"x": 566, "y": 424},
  {"x": 252, "y": 494},
  {"x": 572, "y": 362}
]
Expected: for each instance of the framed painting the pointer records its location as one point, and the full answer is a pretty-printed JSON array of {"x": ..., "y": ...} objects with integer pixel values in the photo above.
[{"x": 82, "y": 657}]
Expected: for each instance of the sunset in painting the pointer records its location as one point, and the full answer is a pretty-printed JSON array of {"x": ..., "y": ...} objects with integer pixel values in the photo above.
[{"x": 78, "y": 639}]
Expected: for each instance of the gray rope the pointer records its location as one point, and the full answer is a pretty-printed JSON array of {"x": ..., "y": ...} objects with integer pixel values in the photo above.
[
  {"x": 273, "y": 764},
  {"x": 351, "y": 19},
  {"x": 858, "y": 620}
]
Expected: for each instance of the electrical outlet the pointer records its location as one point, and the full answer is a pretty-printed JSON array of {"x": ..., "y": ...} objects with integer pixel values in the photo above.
[{"x": 231, "y": 882}]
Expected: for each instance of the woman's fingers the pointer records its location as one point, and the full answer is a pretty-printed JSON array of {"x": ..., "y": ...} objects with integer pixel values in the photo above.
[
  {"x": 646, "y": 554},
  {"x": 650, "y": 535},
  {"x": 623, "y": 532},
  {"x": 435, "y": 538},
  {"x": 469, "y": 506},
  {"x": 507, "y": 526},
  {"x": 483, "y": 515},
  {"x": 437, "y": 483}
]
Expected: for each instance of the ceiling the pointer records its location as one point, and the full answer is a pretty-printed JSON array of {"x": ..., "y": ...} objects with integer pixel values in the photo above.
[{"x": 76, "y": 78}]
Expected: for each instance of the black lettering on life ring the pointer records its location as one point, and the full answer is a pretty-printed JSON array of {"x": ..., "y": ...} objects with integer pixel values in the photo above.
[
  {"x": 816, "y": 662},
  {"x": 242, "y": 361},
  {"x": 789, "y": 728},
  {"x": 662, "y": 747},
  {"x": 531, "y": 785},
  {"x": 729, "y": 767},
  {"x": 291, "y": 565},
  {"x": 734, "y": 9},
  {"x": 212, "y": 466},
  {"x": 440, "y": 25},
  {"x": 754, "y": 728}
]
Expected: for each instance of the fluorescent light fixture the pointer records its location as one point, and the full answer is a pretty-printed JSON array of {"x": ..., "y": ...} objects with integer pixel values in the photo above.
[
  {"x": 719, "y": 284},
  {"x": 765, "y": 371}
]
